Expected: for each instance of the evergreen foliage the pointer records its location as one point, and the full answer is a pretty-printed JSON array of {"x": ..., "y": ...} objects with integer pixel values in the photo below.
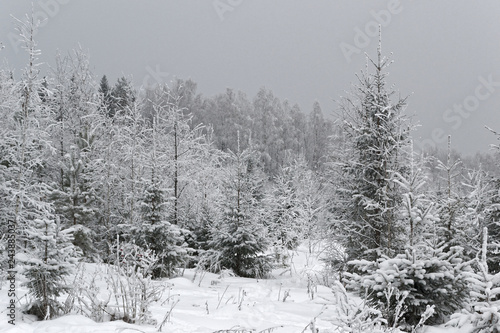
[
  {"x": 431, "y": 278},
  {"x": 240, "y": 237},
  {"x": 377, "y": 136},
  {"x": 484, "y": 311},
  {"x": 74, "y": 203},
  {"x": 107, "y": 105},
  {"x": 50, "y": 258},
  {"x": 159, "y": 235}
]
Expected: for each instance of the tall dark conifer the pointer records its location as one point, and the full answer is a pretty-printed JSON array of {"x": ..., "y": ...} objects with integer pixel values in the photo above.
[{"x": 377, "y": 135}]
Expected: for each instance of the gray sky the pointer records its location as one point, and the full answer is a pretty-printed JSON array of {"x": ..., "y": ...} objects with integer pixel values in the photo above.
[{"x": 446, "y": 53}]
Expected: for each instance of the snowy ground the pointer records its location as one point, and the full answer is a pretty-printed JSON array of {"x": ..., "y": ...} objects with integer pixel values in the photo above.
[{"x": 215, "y": 303}]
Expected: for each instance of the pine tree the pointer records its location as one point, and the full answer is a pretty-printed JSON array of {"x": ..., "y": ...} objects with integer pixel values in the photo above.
[
  {"x": 418, "y": 212},
  {"x": 451, "y": 204},
  {"x": 484, "y": 310},
  {"x": 479, "y": 211},
  {"x": 429, "y": 277},
  {"x": 123, "y": 96},
  {"x": 49, "y": 259},
  {"x": 43, "y": 249},
  {"x": 159, "y": 235},
  {"x": 154, "y": 231},
  {"x": 377, "y": 133},
  {"x": 107, "y": 105},
  {"x": 240, "y": 237},
  {"x": 74, "y": 203}
]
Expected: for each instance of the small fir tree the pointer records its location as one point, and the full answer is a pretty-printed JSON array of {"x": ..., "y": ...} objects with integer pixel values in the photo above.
[
  {"x": 240, "y": 237},
  {"x": 484, "y": 311},
  {"x": 50, "y": 258}
]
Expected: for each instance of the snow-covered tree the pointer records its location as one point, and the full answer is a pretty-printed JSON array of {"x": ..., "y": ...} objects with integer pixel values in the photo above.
[
  {"x": 204, "y": 197},
  {"x": 185, "y": 148},
  {"x": 74, "y": 202},
  {"x": 240, "y": 236},
  {"x": 286, "y": 225},
  {"x": 44, "y": 251},
  {"x": 294, "y": 206},
  {"x": 492, "y": 222},
  {"x": 480, "y": 209},
  {"x": 430, "y": 277},
  {"x": 316, "y": 138},
  {"x": 484, "y": 310},
  {"x": 418, "y": 213},
  {"x": 154, "y": 231},
  {"x": 377, "y": 134},
  {"x": 106, "y": 106},
  {"x": 451, "y": 203},
  {"x": 48, "y": 259},
  {"x": 7, "y": 151},
  {"x": 122, "y": 96},
  {"x": 76, "y": 133}
]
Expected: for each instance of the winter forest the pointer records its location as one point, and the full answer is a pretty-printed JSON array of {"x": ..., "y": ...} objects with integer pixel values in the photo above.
[{"x": 106, "y": 189}]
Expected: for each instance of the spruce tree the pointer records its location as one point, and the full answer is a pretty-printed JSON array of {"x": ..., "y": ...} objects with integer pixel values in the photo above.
[
  {"x": 107, "y": 105},
  {"x": 240, "y": 236},
  {"x": 43, "y": 251},
  {"x": 418, "y": 212},
  {"x": 484, "y": 310},
  {"x": 75, "y": 168},
  {"x": 74, "y": 203},
  {"x": 287, "y": 225},
  {"x": 377, "y": 135},
  {"x": 123, "y": 96},
  {"x": 159, "y": 235},
  {"x": 155, "y": 232},
  {"x": 451, "y": 202},
  {"x": 49, "y": 258}
]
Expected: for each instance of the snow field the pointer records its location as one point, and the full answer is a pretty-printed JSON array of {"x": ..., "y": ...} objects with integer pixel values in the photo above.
[{"x": 207, "y": 302}]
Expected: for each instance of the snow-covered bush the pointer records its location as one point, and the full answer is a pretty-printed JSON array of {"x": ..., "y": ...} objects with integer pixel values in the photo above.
[
  {"x": 335, "y": 260},
  {"x": 85, "y": 297},
  {"x": 435, "y": 279},
  {"x": 484, "y": 311},
  {"x": 129, "y": 288},
  {"x": 130, "y": 280},
  {"x": 354, "y": 316}
]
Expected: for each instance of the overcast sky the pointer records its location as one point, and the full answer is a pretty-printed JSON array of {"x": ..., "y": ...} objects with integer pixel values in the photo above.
[{"x": 446, "y": 53}]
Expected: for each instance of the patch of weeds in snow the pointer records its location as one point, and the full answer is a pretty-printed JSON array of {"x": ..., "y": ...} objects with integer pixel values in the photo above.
[
  {"x": 119, "y": 292},
  {"x": 349, "y": 315}
]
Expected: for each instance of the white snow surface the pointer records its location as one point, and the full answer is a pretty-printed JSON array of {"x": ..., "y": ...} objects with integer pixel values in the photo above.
[{"x": 261, "y": 309}]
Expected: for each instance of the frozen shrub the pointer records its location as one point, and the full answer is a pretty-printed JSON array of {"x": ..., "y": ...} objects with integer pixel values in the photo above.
[
  {"x": 435, "y": 279},
  {"x": 484, "y": 310}
]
